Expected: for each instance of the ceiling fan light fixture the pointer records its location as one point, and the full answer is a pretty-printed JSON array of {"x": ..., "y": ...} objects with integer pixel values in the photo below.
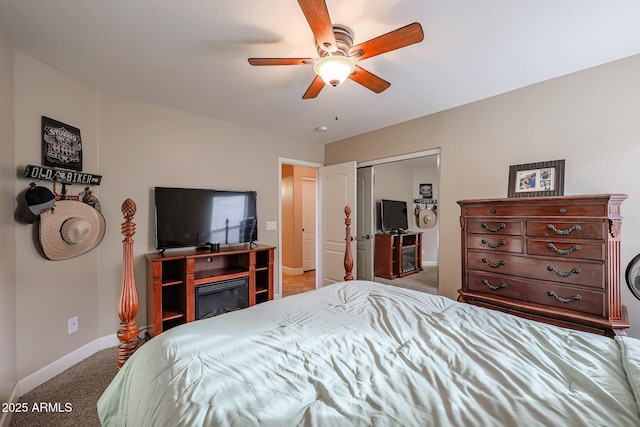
[{"x": 334, "y": 69}]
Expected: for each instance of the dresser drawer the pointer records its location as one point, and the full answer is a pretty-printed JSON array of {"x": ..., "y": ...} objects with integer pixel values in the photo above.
[
  {"x": 532, "y": 210},
  {"x": 496, "y": 243},
  {"x": 477, "y": 226},
  {"x": 579, "y": 272},
  {"x": 565, "y": 297},
  {"x": 566, "y": 249},
  {"x": 568, "y": 229}
]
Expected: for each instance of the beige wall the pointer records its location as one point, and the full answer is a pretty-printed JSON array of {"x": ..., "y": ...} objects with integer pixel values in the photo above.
[
  {"x": 590, "y": 119},
  {"x": 394, "y": 181},
  {"x": 7, "y": 236},
  {"x": 134, "y": 146},
  {"x": 47, "y": 292}
]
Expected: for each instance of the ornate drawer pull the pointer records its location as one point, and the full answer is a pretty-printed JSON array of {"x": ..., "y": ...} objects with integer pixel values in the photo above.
[
  {"x": 575, "y": 227},
  {"x": 494, "y": 287},
  {"x": 575, "y": 297},
  {"x": 561, "y": 274},
  {"x": 492, "y": 229},
  {"x": 494, "y": 245},
  {"x": 493, "y": 265},
  {"x": 563, "y": 251}
]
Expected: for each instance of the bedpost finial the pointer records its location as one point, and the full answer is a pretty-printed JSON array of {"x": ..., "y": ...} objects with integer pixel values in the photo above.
[
  {"x": 128, "y": 227},
  {"x": 128, "y": 209}
]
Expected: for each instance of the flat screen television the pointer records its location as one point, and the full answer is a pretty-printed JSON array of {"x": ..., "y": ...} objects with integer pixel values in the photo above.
[
  {"x": 186, "y": 217},
  {"x": 393, "y": 215}
]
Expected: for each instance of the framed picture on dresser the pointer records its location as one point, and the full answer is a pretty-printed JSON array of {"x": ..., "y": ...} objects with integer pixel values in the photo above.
[{"x": 536, "y": 179}]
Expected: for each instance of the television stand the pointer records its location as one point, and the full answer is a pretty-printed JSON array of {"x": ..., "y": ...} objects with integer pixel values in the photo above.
[
  {"x": 397, "y": 254},
  {"x": 213, "y": 246},
  {"x": 174, "y": 279}
]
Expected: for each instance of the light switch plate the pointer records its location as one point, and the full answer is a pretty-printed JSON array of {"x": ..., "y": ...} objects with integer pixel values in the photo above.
[{"x": 272, "y": 225}]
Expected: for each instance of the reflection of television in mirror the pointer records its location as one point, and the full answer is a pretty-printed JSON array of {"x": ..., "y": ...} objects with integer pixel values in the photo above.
[
  {"x": 188, "y": 217},
  {"x": 393, "y": 215}
]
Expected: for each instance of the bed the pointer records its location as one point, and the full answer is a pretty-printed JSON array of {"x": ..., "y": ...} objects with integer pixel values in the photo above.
[{"x": 360, "y": 353}]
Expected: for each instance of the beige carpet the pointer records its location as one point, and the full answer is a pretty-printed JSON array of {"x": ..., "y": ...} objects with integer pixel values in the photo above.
[
  {"x": 69, "y": 399},
  {"x": 424, "y": 281}
]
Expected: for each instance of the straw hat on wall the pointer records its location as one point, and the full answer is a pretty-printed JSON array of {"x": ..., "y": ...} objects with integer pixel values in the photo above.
[
  {"x": 72, "y": 228},
  {"x": 426, "y": 218}
]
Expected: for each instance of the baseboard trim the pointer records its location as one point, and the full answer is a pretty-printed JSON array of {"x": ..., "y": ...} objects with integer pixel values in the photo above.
[
  {"x": 5, "y": 418},
  {"x": 44, "y": 374},
  {"x": 293, "y": 271}
]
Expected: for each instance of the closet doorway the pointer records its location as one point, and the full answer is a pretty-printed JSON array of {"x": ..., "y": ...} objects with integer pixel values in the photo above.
[
  {"x": 402, "y": 179},
  {"x": 399, "y": 177}
]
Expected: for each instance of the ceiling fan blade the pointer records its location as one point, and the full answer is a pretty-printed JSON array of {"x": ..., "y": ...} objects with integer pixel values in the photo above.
[
  {"x": 316, "y": 86},
  {"x": 318, "y": 18},
  {"x": 369, "y": 80},
  {"x": 393, "y": 40},
  {"x": 281, "y": 61}
]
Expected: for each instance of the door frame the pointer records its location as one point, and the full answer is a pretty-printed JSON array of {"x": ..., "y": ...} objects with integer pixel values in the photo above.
[
  {"x": 293, "y": 162},
  {"x": 366, "y": 217},
  {"x": 425, "y": 153}
]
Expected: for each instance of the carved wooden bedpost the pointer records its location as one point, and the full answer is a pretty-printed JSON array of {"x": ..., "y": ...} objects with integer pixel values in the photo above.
[
  {"x": 128, "y": 299},
  {"x": 348, "y": 258}
]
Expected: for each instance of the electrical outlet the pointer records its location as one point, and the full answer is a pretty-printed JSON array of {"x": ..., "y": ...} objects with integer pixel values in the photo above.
[
  {"x": 73, "y": 325},
  {"x": 272, "y": 225}
]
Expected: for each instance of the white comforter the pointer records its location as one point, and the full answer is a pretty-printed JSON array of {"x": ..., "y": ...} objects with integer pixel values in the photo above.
[{"x": 365, "y": 354}]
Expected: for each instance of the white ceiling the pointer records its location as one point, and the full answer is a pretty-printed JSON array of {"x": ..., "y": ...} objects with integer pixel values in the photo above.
[{"x": 192, "y": 54}]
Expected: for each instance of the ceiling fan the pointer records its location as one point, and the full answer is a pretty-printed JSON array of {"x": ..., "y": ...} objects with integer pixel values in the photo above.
[{"x": 334, "y": 44}]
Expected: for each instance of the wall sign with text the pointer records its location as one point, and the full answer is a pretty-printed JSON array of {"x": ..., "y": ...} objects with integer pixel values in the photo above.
[
  {"x": 44, "y": 173},
  {"x": 61, "y": 145}
]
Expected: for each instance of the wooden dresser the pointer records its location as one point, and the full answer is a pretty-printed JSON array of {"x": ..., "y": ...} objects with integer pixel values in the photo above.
[{"x": 551, "y": 259}]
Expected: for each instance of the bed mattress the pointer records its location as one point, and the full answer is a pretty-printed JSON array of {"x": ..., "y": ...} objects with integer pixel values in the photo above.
[{"x": 366, "y": 354}]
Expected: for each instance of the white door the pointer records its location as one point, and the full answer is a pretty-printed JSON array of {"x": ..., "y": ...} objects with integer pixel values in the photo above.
[
  {"x": 308, "y": 224},
  {"x": 365, "y": 232},
  {"x": 337, "y": 189}
]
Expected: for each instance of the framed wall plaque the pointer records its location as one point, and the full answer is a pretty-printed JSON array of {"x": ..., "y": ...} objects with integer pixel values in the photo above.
[
  {"x": 61, "y": 145},
  {"x": 426, "y": 191},
  {"x": 536, "y": 179}
]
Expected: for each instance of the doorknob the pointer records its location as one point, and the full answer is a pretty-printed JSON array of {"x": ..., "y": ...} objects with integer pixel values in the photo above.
[{"x": 368, "y": 236}]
